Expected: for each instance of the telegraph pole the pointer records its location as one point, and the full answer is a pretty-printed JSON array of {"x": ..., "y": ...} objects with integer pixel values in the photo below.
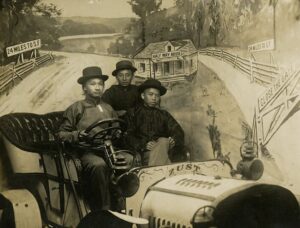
[{"x": 274, "y": 3}]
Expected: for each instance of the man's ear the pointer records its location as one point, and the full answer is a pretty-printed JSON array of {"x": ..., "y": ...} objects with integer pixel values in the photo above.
[{"x": 143, "y": 96}]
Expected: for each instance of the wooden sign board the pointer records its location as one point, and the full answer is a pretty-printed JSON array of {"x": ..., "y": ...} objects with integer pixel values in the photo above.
[
  {"x": 21, "y": 48},
  {"x": 166, "y": 55},
  {"x": 262, "y": 46}
]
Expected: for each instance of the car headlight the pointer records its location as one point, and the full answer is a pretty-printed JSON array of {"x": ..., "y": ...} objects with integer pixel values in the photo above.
[
  {"x": 251, "y": 170},
  {"x": 128, "y": 183},
  {"x": 204, "y": 216}
]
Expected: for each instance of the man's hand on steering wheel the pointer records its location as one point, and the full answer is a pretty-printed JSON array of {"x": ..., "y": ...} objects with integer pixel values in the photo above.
[
  {"x": 83, "y": 136},
  {"x": 100, "y": 131}
]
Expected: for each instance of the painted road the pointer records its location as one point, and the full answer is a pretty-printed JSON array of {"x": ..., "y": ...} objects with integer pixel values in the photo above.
[{"x": 86, "y": 36}]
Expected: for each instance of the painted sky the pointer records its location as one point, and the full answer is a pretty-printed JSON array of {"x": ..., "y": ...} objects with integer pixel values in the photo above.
[{"x": 99, "y": 8}]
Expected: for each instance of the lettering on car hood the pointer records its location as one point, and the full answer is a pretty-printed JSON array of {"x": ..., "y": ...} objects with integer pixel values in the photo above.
[
  {"x": 192, "y": 183},
  {"x": 200, "y": 186}
]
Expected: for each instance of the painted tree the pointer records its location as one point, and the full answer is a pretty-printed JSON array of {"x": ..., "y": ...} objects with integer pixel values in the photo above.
[
  {"x": 215, "y": 23},
  {"x": 199, "y": 19},
  {"x": 23, "y": 20},
  {"x": 185, "y": 15},
  {"x": 192, "y": 16},
  {"x": 13, "y": 10},
  {"x": 161, "y": 26},
  {"x": 214, "y": 133},
  {"x": 143, "y": 8}
]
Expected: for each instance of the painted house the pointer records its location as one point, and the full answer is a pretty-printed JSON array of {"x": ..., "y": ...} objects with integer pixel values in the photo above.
[{"x": 167, "y": 61}]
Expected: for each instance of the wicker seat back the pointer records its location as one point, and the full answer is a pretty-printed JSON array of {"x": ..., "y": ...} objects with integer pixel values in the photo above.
[{"x": 32, "y": 132}]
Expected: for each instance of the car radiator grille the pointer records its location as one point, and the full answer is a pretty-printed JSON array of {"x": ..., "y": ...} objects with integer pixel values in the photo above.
[{"x": 155, "y": 222}]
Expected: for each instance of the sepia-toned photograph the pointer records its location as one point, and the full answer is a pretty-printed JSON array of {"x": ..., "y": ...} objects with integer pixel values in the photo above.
[{"x": 149, "y": 113}]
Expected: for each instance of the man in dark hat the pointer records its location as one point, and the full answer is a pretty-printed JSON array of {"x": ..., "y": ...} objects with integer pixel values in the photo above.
[
  {"x": 124, "y": 95},
  {"x": 152, "y": 131},
  {"x": 76, "y": 119}
]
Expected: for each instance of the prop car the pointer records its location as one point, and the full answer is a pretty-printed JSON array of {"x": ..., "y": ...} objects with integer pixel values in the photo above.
[{"x": 44, "y": 187}]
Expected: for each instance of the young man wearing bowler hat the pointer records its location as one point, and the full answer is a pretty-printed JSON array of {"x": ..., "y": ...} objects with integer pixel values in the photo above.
[
  {"x": 124, "y": 95},
  {"x": 76, "y": 119},
  {"x": 152, "y": 131}
]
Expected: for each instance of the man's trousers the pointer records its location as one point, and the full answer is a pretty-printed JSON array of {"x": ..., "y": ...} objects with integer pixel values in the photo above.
[
  {"x": 159, "y": 155},
  {"x": 95, "y": 175}
]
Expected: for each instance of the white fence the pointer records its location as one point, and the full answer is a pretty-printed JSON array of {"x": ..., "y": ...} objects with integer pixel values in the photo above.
[
  {"x": 261, "y": 73},
  {"x": 9, "y": 76}
]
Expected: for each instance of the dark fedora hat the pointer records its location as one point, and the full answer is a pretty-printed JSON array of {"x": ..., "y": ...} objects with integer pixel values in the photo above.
[
  {"x": 91, "y": 72},
  {"x": 152, "y": 83},
  {"x": 123, "y": 65}
]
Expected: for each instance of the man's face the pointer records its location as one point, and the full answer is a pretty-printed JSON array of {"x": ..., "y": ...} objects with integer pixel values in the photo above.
[
  {"x": 124, "y": 77},
  {"x": 94, "y": 87},
  {"x": 151, "y": 97}
]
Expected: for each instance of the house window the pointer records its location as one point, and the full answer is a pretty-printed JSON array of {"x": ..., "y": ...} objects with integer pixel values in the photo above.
[
  {"x": 155, "y": 67},
  {"x": 142, "y": 67},
  {"x": 178, "y": 64},
  {"x": 169, "y": 48},
  {"x": 167, "y": 67},
  {"x": 191, "y": 62}
]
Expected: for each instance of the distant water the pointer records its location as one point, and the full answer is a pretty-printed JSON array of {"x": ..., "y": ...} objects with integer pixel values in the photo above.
[{"x": 85, "y": 36}]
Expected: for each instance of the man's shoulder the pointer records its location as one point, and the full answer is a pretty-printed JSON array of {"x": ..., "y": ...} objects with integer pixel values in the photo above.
[
  {"x": 134, "y": 110},
  {"x": 75, "y": 107},
  {"x": 118, "y": 87},
  {"x": 112, "y": 88},
  {"x": 134, "y": 86},
  {"x": 163, "y": 110},
  {"x": 107, "y": 106},
  {"x": 77, "y": 103}
]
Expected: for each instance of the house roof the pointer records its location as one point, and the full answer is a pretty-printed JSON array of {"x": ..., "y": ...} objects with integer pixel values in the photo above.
[
  {"x": 178, "y": 43},
  {"x": 185, "y": 46}
]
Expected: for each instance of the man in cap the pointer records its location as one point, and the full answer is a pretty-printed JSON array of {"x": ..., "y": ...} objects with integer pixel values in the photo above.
[
  {"x": 76, "y": 119},
  {"x": 152, "y": 131},
  {"x": 124, "y": 95}
]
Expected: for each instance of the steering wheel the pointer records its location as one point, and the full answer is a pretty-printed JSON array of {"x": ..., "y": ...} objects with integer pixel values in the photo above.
[{"x": 103, "y": 130}]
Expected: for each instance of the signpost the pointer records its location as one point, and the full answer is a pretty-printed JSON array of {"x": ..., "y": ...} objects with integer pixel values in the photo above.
[
  {"x": 274, "y": 89},
  {"x": 19, "y": 49},
  {"x": 166, "y": 55},
  {"x": 262, "y": 46}
]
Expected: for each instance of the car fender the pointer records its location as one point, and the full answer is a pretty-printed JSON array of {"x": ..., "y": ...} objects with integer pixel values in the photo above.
[{"x": 25, "y": 208}]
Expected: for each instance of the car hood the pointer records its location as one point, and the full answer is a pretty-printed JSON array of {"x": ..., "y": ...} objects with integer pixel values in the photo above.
[
  {"x": 189, "y": 199},
  {"x": 208, "y": 188}
]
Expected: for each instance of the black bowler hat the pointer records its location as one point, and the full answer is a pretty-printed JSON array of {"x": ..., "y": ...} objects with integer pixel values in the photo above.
[
  {"x": 152, "y": 83},
  {"x": 91, "y": 72},
  {"x": 123, "y": 65}
]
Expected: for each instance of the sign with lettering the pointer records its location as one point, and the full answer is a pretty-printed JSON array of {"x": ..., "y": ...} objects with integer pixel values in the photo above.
[
  {"x": 185, "y": 168},
  {"x": 264, "y": 99},
  {"x": 166, "y": 55},
  {"x": 20, "y": 48},
  {"x": 261, "y": 46}
]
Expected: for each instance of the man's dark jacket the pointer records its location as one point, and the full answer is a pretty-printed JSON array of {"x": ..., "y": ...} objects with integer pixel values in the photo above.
[
  {"x": 146, "y": 124},
  {"x": 122, "y": 98}
]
